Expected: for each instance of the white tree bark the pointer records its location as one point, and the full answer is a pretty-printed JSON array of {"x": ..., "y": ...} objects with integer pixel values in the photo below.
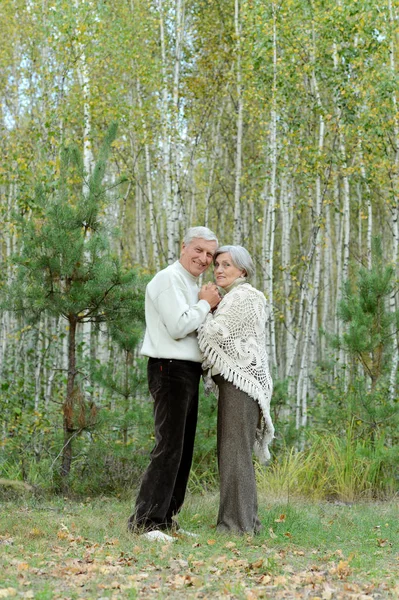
[
  {"x": 286, "y": 231},
  {"x": 328, "y": 308},
  {"x": 345, "y": 199},
  {"x": 151, "y": 207},
  {"x": 88, "y": 159},
  {"x": 270, "y": 222},
  {"x": 173, "y": 217},
  {"x": 395, "y": 205},
  {"x": 166, "y": 187},
  {"x": 214, "y": 157},
  {"x": 237, "y": 233}
]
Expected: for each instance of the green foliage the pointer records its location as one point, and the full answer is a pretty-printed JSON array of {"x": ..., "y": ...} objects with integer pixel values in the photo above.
[
  {"x": 66, "y": 265},
  {"x": 283, "y": 415},
  {"x": 204, "y": 473},
  {"x": 67, "y": 268},
  {"x": 370, "y": 411},
  {"x": 364, "y": 309},
  {"x": 344, "y": 467},
  {"x": 113, "y": 458}
]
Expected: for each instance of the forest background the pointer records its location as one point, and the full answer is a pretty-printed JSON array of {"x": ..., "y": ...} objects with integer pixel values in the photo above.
[{"x": 276, "y": 124}]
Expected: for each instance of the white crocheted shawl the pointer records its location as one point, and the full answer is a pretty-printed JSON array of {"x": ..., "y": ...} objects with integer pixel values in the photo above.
[{"x": 233, "y": 340}]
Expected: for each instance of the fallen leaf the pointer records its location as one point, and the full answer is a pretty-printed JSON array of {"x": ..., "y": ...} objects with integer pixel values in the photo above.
[
  {"x": 281, "y": 519},
  {"x": 194, "y": 581},
  {"x": 257, "y": 564},
  {"x": 178, "y": 581},
  {"x": 343, "y": 569},
  {"x": 211, "y": 542},
  {"x": 198, "y": 563},
  {"x": 177, "y": 564},
  {"x": 271, "y": 533},
  {"x": 328, "y": 592},
  {"x": 264, "y": 580},
  {"x": 7, "y": 541},
  {"x": 35, "y": 532}
]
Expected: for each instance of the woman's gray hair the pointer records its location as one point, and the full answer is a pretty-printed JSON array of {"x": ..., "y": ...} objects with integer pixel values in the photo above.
[
  {"x": 240, "y": 257},
  {"x": 199, "y": 232}
]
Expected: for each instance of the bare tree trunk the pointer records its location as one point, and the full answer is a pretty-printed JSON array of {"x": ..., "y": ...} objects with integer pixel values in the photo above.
[
  {"x": 68, "y": 406},
  {"x": 328, "y": 308},
  {"x": 270, "y": 225},
  {"x": 166, "y": 145},
  {"x": 141, "y": 246},
  {"x": 151, "y": 208},
  {"x": 395, "y": 206},
  {"x": 88, "y": 163},
  {"x": 240, "y": 109},
  {"x": 173, "y": 217},
  {"x": 214, "y": 156},
  {"x": 39, "y": 359},
  {"x": 286, "y": 227}
]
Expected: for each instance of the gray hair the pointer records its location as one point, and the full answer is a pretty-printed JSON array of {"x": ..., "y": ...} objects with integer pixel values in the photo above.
[
  {"x": 240, "y": 257},
  {"x": 199, "y": 232}
]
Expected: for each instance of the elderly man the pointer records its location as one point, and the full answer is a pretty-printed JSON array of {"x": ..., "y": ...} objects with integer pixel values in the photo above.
[{"x": 174, "y": 309}]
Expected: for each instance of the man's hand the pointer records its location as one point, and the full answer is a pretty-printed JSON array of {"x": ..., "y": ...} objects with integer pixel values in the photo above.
[{"x": 210, "y": 293}]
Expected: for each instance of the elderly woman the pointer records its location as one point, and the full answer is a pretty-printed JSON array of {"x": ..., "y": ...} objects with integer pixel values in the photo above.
[{"x": 233, "y": 343}]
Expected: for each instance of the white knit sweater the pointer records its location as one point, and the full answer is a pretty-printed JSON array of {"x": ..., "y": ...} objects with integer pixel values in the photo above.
[
  {"x": 173, "y": 313},
  {"x": 233, "y": 341}
]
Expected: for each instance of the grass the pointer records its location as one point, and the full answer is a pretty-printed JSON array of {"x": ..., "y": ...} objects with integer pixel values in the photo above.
[{"x": 59, "y": 549}]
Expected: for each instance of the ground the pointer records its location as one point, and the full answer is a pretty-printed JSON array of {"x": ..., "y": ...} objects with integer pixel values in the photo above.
[{"x": 60, "y": 549}]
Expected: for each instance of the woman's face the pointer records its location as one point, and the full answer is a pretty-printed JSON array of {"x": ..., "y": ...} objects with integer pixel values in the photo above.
[{"x": 225, "y": 271}]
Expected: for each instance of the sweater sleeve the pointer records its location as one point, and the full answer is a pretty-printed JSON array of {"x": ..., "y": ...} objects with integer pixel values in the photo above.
[{"x": 178, "y": 316}]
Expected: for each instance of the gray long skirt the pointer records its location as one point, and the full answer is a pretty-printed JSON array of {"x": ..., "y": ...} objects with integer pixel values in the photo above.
[{"x": 238, "y": 417}]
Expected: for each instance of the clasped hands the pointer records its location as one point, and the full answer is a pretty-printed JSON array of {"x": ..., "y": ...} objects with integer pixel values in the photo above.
[{"x": 210, "y": 293}]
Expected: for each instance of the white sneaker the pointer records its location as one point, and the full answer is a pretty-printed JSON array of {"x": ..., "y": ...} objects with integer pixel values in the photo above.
[{"x": 159, "y": 536}]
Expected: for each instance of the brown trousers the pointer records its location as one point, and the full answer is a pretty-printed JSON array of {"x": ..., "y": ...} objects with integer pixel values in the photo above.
[{"x": 238, "y": 417}]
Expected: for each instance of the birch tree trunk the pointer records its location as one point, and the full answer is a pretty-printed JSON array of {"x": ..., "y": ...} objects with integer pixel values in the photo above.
[
  {"x": 214, "y": 156},
  {"x": 286, "y": 229},
  {"x": 328, "y": 307},
  {"x": 167, "y": 202},
  {"x": 88, "y": 163},
  {"x": 240, "y": 108},
  {"x": 68, "y": 405},
  {"x": 368, "y": 203},
  {"x": 395, "y": 203},
  {"x": 151, "y": 208},
  {"x": 173, "y": 217},
  {"x": 270, "y": 223},
  {"x": 345, "y": 196}
]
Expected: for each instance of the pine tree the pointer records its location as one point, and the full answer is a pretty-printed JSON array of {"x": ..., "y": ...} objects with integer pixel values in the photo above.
[
  {"x": 66, "y": 268},
  {"x": 364, "y": 309}
]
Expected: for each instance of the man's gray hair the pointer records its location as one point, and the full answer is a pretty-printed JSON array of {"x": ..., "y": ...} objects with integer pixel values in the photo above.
[
  {"x": 199, "y": 232},
  {"x": 240, "y": 257}
]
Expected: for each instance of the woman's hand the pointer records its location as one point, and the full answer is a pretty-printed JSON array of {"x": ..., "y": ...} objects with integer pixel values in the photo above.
[{"x": 210, "y": 293}]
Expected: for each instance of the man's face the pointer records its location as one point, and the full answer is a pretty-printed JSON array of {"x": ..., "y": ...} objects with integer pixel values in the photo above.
[{"x": 197, "y": 255}]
